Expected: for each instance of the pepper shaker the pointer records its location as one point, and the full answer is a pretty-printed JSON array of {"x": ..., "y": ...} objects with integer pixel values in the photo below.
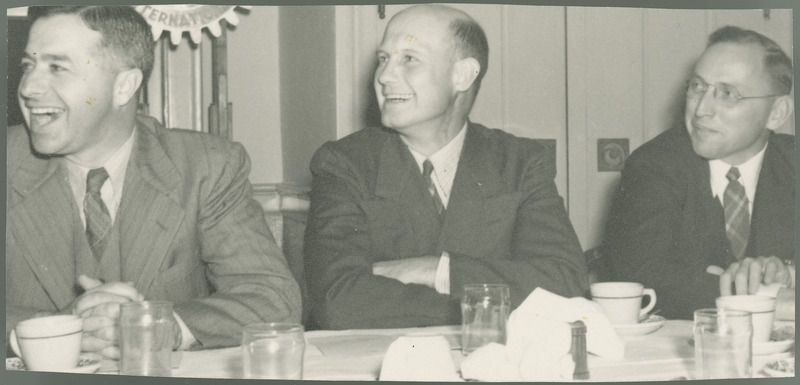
[{"x": 578, "y": 351}]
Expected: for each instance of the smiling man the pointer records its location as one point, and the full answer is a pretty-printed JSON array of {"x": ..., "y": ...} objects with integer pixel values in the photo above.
[
  {"x": 404, "y": 215},
  {"x": 717, "y": 192},
  {"x": 106, "y": 207}
]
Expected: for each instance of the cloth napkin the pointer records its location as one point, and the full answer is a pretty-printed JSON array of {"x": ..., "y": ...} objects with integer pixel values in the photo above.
[
  {"x": 784, "y": 300},
  {"x": 770, "y": 290},
  {"x": 539, "y": 339},
  {"x": 419, "y": 358}
]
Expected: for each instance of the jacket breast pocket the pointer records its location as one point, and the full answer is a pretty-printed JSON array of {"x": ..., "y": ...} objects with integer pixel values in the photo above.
[{"x": 490, "y": 235}]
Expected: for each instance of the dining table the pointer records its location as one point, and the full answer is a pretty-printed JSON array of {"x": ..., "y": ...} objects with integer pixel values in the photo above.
[{"x": 665, "y": 354}]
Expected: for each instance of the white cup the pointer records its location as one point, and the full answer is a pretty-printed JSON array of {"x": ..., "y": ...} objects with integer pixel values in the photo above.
[
  {"x": 621, "y": 302},
  {"x": 48, "y": 343},
  {"x": 762, "y": 307}
]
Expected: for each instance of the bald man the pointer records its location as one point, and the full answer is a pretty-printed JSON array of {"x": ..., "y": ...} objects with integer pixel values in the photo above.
[{"x": 402, "y": 216}]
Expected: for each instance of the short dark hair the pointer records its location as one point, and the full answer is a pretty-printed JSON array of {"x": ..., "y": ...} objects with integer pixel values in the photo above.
[
  {"x": 776, "y": 62},
  {"x": 470, "y": 41},
  {"x": 126, "y": 35}
]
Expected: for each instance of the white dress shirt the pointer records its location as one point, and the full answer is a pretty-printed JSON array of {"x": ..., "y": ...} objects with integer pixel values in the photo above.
[
  {"x": 445, "y": 163},
  {"x": 111, "y": 193},
  {"x": 748, "y": 171}
]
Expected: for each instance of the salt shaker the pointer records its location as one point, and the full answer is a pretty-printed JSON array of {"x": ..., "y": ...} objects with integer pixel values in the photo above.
[{"x": 578, "y": 351}]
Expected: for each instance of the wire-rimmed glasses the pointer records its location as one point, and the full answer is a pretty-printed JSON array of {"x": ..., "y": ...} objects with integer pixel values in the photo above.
[{"x": 724, "y": 94}]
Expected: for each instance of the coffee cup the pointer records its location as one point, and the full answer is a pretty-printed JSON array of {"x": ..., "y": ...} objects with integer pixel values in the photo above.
[
  {"x": 762, "y": 308},
  {"x": 621, "y": 302},
  {"x": 50, "y": 343}
]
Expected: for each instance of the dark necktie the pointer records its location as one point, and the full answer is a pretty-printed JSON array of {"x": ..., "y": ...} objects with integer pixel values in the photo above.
[
  {"x": 98, "y": 221},
  {"x": 427, "y": 169},
  {"x": 737, "y": 216}
]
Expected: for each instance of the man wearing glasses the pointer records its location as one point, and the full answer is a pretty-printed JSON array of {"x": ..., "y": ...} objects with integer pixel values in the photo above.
[{"x": 719, "y": 192}]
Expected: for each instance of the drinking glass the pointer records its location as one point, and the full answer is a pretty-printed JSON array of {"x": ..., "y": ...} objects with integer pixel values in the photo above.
[
  {"x": 484, "y": 314},
  {"x": 146, "y": 338},
  {"x": 723, "y": 343},
  {"x": 273, "y": 351}
]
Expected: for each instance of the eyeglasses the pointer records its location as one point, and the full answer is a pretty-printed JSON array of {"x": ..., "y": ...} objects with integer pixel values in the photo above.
[{"x": 726, "y": 95}]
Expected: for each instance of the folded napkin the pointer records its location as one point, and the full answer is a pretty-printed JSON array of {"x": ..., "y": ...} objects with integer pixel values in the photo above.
[
  {"x": 770, "y": 290},
  {"x": 539, "y": 339},
  {"x": 784, "y": 299},
  {"x": 784, "y": 307},
  {"x": 419, "y": 358}
]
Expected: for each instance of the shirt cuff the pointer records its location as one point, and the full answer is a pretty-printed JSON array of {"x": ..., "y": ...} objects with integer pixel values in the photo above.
[
  {"x": 187, "y": 338},
  {"x": 442, "y": 280}
]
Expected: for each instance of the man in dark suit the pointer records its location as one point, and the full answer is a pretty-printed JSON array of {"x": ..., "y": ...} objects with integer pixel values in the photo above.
[
  {"x": 104, "y": 207},
  {"x": 717, "y": 193},
  {"x": 390, "y": 242}
]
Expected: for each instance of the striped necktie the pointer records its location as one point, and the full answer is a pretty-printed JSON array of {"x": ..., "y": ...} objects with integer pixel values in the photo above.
[
  {"x": 98, "y": 221},
  {"x": 737, "y": 216},
  {"x": 427, "y": 170}
]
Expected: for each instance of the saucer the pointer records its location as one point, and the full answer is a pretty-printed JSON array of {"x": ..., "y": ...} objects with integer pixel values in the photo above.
[
  {"x": 772, "y": 347},
  {"x": 649, "y": 325},
  {"x": 88, "y": 363},
  {"x": 780, "y": 368},
  {"x": 782, "y": 339}
]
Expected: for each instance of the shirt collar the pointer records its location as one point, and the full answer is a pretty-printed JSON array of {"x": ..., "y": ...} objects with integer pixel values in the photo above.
[
  {"x": 115, "y": 166},
  {"x": 446, "y": 158},
  {"x": 749, "y": 171}
]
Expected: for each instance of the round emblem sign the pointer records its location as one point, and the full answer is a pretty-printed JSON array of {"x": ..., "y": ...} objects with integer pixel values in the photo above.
[{"x": 178, "y": 19}]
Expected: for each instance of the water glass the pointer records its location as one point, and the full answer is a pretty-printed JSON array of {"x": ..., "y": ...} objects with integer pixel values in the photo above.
[
  {"x": 146, "y": 338},
  {"x": 273, "y": 351},
  {"x": 723, "y": 343},
  {"x": 484, "y": 314}
]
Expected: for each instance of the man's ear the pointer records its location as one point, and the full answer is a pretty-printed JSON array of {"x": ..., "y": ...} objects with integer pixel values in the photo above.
[
  {"x": 782, "y": 109},
  {"x": 125, "y": 86},
  {"x": 465, "y": 71}
]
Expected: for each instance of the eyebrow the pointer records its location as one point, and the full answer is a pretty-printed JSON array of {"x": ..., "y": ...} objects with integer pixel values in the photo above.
[
  {"x": 401, "y": 51},
  {"x": 48, "y": 57},
  {"x": 729, "y": 85}
]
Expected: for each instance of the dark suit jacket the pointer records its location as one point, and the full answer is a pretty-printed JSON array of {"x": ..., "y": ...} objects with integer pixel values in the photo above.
[
  {"x": 505, "y": 223},
  {"x": 189, "y": 231},
  {"x": 665, "y": 227}
]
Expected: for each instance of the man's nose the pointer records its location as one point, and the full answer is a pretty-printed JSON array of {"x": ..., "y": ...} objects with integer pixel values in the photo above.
[
  {"x": 32, "y": 84},
  {"x": 705, "y": 102},
  {"x": 386, "y": 72}
]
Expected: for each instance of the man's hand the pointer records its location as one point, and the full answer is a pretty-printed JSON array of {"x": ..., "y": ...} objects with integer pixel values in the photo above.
[
  {"x": 99, "y": 308},
  {"x": 747, "y": 275},
  {"x": 419, "y": 270}
]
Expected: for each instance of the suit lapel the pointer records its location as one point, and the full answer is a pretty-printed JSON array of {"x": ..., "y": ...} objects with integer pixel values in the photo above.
[
  {"x": 474, "y": 183},
  {"x": 771, "y": 216},
  {"x": 400, "y": 183},
  {"x": 150, "y": 214},
  {"x": 394, "y": 174},
  {"x": 703, "y": 210},
  {"x": 42, "y": 221}
]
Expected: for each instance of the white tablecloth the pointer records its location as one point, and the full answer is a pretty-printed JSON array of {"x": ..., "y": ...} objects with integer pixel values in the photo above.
[{"x": 663, "y": 355}]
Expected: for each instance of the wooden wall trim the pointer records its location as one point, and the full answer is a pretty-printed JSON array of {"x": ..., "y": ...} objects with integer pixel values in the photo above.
[{"x": 281, "y": 197}]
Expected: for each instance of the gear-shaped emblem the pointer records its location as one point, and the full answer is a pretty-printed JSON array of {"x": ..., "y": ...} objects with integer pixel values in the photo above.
[{"x": 178, "y": 19}]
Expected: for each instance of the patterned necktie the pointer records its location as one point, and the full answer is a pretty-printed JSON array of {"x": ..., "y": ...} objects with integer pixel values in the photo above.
[
  {"x": 427, "y": 169},
  {"x": 737, "y": 216},
  {"x": 98, "y": 221}
]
